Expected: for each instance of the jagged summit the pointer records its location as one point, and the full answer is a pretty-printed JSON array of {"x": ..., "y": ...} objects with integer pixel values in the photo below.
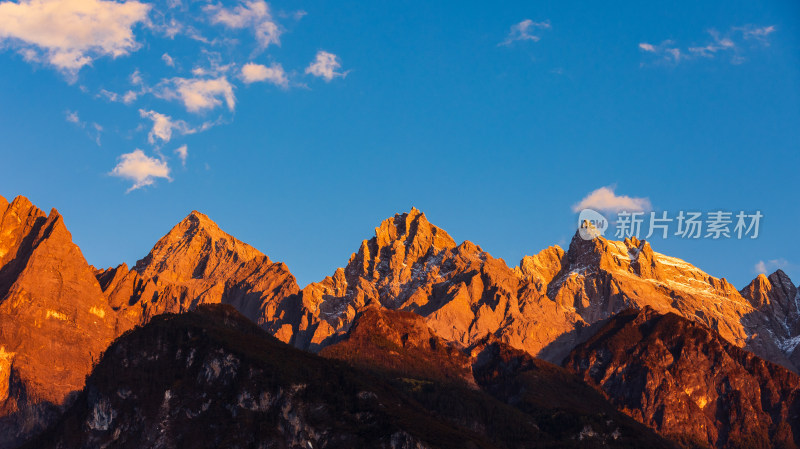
[
  {"x": 413, "y": 231},
  {"x": 196, "y": 247},
  {"x": 195, "y": 263},
  {"x": 53, "y": 316}
]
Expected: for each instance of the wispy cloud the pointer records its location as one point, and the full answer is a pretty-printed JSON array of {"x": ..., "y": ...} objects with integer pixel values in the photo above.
[
  {"x": 69, "y": 34},
  {"x": 527, "y": 30},
  {"x": 182, "y": 152},
  {"x": 253, "y": 73},
  {"x": 250, "y": 14},
  {"x": 198, "y": 94},
  {"x": 93, "y": 129},
  {"x": 168, "y": 60},
  {"x": 769, "y": 266},
  {"x": 163, "y": 125},
  {"x": 604, "y": 199},
  {"x": 325, "y": 65},
  {"x": 141, "y": 169},
  {"x": 733, "y": 44}
]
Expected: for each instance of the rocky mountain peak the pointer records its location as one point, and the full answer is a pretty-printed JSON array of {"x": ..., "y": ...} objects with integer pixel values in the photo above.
[
  {"x": 542, "y": 267},
  {"x": 55, "y": 320},
  {"x": 413, "y": 231},
  {"x": 401, "y": 244},
  {"x": 775, "y": 290},
  {"x": 195, "y": 248}
]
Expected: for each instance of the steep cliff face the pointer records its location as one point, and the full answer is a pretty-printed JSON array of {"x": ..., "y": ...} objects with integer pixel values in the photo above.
[
  {"x": 54, "y": 320},
  {"x": 776, "y": 318},
  {"x": 603, "y": 277},
  {"x": 197, "y": 263},
  {"x": 209, "y": 378},
  {"x": 684, "y": 380},
  {"x": 463, "y": 293}
]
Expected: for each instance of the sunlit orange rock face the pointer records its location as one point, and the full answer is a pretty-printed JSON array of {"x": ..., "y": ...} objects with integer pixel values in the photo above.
[
  {"x": 545, "y": 306},
  {"x": 684, "y": 380},
  {"x": 197, "y": 263},
  {"x": 463, "y": 292},
  {"x": 57, "y": 314},
  {"x": 54, "y": 319}
]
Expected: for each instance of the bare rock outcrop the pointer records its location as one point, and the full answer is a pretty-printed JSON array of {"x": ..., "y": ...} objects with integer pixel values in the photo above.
[{"x": 54, "y": 320}]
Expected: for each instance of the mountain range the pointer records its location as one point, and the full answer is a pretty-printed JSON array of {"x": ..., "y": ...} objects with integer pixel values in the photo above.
[{"x": 416, "y": 342}]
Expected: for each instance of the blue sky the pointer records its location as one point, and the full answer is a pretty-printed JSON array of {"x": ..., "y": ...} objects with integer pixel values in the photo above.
[{"x": 304, "y": 124}]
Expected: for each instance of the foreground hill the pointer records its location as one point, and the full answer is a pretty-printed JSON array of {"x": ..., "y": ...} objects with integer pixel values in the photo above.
[
  {"x": 684, "y": 380},
  {"x": 210, "y": 378},
  {"x": 490, "y": 380}
]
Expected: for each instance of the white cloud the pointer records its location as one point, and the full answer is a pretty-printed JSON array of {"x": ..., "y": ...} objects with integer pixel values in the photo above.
[
  {"x": 141, "y": 169},
  {"x": 168, "y": 60},
  {"x": 524, "y": 30},
  {"x": 197, "y": 94},
  {"x": 182, "y": 152},
  {"x": 325, "y": 65},
  {"x": 72, "y": 117},
  {"x": 771, "y": 265},
  {"x": 665, "y": 50},
  {"x": 252, "y": 73},
  {"x": 647, "y": 47},
  {"x": 163, "y": 125},
  {"x": 126, "y": 98},
  {"x": 253, "y": 14},
  {"x": 604, "y": 199},
  {"x": 757, "y": 33},
  {"x": 732, "y": 43},
  {"x": 719, "y": 43},
  {"x": 70, "y": 34}
]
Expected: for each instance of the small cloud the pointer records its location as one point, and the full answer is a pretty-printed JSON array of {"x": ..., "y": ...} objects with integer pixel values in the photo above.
[
  {"x": 72, "y": 117},
  {"x": 770, "y": 266},
  {"x": 69, "y": 34},
  {"x": 647, "y": 47},
  {"x": 524, "y": 30},
  {"x": 604, "y": 199},
  {"x": 757, "y": 33},
  {"x": 127, "y": 98},
  {"x": 252, "y": 73},
  {"x": 163, "y": 125},
  {"x": 198, "y": 94},
  {"x": 325, "y": 65},
  {"x": 93, "y": 130},
  {"x": 182, "y": 152},
  {"x": 168, "y": 60},
  {"x": 731, "y": 43},
  {"x": 250, "y": 14},
  {"x": 214, "y": 66},
  {"x": 665, "y": 51},
  {"x": 141, "y": 169},
  {"x": 136, "y": 78}
]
